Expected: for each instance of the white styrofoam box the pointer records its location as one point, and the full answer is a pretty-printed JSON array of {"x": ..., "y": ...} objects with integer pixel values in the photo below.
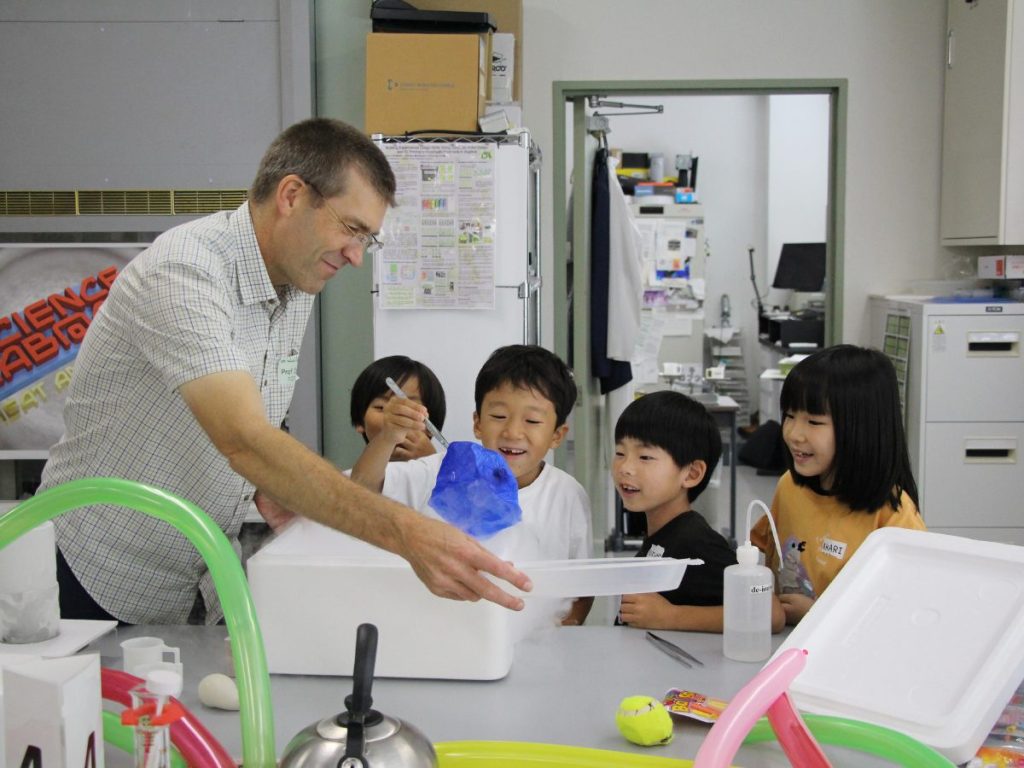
[
  {"x": 313, "y": 586},
  {"x": 8, "y": 660},
  {"x": 53, "y": 708},
  {"x": 920, "y": 632}
]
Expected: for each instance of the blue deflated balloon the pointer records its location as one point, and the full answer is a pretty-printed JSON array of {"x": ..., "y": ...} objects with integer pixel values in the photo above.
[{"x": 475, "y": 490}]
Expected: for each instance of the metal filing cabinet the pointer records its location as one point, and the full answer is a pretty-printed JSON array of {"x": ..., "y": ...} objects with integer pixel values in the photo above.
[{"x": 962, "y": 370}]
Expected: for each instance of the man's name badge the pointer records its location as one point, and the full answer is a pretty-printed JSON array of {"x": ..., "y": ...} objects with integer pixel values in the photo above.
[{"x": 288, "y": 370}]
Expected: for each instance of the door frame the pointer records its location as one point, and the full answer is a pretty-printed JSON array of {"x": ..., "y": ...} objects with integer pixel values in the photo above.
[{"x": 588, "y": 435}]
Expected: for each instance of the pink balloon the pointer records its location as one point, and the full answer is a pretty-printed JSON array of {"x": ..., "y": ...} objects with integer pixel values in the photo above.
[{"x": 765, "y": 694}]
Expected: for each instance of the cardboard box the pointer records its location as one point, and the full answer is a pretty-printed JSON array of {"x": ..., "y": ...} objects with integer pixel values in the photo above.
[
  {"x": 425, "y": 82},
  {"x": 506, "y": 15}
]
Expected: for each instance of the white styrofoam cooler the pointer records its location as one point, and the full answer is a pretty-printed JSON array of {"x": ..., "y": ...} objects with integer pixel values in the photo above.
[
  {"x": 313, "y": 586},
  {"x": 922, "y": 633}
]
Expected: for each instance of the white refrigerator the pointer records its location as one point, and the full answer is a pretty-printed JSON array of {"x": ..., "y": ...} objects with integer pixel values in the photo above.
[{"x": 458, "y": 276}]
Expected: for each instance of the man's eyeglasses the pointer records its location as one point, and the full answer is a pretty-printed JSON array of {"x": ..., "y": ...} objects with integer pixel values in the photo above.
[{"x": 367, "y": 240}]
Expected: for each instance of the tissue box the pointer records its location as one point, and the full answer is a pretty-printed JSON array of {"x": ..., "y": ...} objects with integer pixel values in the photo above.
[{"x": 313, "y": 586}]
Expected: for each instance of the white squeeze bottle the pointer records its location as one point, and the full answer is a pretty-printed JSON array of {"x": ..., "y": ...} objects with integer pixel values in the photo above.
[{"x": 747, "y": 601}]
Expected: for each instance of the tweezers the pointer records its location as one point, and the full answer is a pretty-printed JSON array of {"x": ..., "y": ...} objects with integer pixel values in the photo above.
[{"x": 674, "y": 650}]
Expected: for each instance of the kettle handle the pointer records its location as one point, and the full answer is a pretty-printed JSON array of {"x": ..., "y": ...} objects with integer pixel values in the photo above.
[{"x": 359, "y": 703}]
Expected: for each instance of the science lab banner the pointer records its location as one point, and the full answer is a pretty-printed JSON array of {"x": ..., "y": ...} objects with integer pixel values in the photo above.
[{"x": 49, "y": 294}]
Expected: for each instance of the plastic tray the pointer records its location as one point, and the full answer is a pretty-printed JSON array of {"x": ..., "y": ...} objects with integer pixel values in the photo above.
[
  {"x": 604, "y": 576},
  {"x": 920, "y": 632}
]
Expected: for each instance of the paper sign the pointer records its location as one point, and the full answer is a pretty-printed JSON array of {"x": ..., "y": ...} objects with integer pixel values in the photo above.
[{"x": 53, "y": 713}]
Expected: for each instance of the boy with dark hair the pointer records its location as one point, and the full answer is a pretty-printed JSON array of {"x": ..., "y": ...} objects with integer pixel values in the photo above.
[
  {"x": 524, "y": 394},
  {"x": 666, "y": 448},
  {"x": 370, "y": 393}
]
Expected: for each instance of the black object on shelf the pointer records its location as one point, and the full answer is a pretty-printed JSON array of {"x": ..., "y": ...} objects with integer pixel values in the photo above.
[
  {"x": 794, "y": 330},
  {"x": 400, "y": 16}
]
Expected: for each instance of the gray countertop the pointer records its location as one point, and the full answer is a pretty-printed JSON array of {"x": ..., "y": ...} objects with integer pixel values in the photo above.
[{"x": 564, "y": 688}]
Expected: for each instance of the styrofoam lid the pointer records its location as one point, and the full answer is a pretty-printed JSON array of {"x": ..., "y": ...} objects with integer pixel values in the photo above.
[
  {"x": 920, "y": 632},
  {"x": 604, "y": 576}
]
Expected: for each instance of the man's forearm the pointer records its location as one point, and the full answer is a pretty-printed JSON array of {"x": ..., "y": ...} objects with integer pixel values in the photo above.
[{"x": 302, "y": 481}]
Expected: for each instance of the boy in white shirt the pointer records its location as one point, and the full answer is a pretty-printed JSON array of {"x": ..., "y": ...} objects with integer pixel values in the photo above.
[{"x": 524, "y": 394}]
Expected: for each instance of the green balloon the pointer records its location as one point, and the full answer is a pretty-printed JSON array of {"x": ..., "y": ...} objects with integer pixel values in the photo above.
[
  {"x": 239, "y": 613},
  {"x": 863, "y": 737}
]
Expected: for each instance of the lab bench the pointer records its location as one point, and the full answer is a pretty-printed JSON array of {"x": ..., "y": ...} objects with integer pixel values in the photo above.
[{"x": 564, "y": 688}]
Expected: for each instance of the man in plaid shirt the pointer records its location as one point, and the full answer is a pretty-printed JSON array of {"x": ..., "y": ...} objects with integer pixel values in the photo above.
[{"x": 188, "y": 369}]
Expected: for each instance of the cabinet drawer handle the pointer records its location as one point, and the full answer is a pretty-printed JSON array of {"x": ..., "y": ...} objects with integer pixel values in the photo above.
[
  {"x": 993, "y": 344},
  {"x": 996, "y": 450}
]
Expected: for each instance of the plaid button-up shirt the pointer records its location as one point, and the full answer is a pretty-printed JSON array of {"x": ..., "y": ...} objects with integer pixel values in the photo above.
[{"x": 198, "y": 301}]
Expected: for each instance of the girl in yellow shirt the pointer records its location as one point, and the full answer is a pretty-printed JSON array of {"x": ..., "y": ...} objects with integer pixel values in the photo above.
[{"x": 849, "y": 470}]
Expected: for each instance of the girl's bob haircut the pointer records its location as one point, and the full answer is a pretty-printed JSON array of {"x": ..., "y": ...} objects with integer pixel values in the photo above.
[{"x": 857, "y": 388}]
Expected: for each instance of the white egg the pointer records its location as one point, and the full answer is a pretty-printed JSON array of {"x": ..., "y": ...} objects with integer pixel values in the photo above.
[{"x": 218, "y": 691}]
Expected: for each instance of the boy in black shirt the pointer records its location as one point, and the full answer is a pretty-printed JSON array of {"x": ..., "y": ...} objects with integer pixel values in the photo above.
[{"x": 666, "y": 447}]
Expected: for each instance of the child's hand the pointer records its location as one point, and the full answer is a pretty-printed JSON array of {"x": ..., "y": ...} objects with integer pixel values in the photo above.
[
  {"x": 402, "y": 419},
  {"x": 416, "y": 445},
  {"x": 647, "y": 611},
  {"x": 796, "y": 606}
]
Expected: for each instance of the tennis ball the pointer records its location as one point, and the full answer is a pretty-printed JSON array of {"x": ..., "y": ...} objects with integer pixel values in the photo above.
[{"x": 644, "y": 721}]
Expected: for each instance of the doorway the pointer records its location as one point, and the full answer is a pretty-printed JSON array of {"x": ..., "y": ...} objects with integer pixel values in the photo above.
[{"x": 572, "y": 156}]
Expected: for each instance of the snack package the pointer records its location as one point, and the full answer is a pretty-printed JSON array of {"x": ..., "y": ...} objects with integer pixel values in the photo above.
[{"x": 695, "y": 705}]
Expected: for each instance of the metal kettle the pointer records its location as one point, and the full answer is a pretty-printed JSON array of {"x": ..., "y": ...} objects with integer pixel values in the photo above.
[{"x": 360, "y": 737}]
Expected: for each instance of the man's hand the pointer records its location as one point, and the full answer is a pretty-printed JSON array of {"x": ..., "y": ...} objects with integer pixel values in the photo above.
[
  {"x": 796, "y": 606},
  {"x": 451, "y": 564},
  {"x": 275, "y": 514},
  {"x": 646, "y": 611}
]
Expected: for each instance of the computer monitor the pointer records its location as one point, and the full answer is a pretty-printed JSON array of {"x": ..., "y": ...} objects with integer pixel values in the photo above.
[{"x": 801, "y": 267}]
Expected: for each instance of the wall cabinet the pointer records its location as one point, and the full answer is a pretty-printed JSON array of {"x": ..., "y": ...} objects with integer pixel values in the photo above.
[{"x": 983, "y": 124}]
